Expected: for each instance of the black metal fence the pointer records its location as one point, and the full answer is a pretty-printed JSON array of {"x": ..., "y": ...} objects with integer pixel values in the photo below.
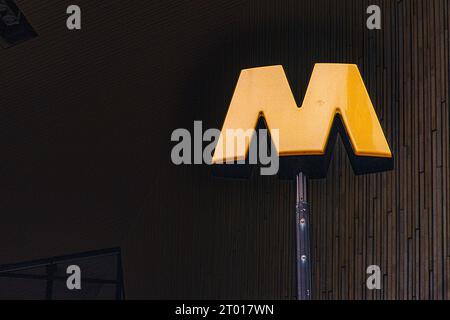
[{"x": 100, "y": 270}]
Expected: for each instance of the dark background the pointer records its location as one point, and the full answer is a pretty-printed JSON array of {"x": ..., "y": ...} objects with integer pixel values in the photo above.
[{"x": 85, "y": 125}]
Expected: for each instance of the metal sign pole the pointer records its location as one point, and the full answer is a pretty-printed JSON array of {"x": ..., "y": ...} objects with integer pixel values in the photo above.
[{"x": 303, "y": 239}]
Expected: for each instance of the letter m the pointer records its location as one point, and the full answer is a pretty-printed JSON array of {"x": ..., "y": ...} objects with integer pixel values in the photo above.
[{"x": 336, "y": 100}]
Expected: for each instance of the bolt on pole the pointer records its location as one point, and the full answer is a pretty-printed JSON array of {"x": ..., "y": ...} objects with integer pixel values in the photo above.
[{"x": 303, "y": 249}]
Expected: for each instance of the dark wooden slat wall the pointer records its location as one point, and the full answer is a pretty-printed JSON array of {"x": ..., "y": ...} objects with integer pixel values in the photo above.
[
  {"x": 397, "y": 220},
  {"x": 86, "y": 123},
  {"x": 239, "y": 234},
  {"x": 237, "y": 240}
]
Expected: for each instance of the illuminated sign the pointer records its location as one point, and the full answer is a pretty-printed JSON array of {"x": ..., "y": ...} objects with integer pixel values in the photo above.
[{"x": 336, "y": 100}]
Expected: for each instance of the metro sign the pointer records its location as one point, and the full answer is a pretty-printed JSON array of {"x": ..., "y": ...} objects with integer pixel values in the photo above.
[{"x": 336, "y": 100}]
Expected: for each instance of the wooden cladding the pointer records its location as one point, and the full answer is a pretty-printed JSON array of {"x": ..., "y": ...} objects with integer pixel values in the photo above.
[
  {"x": 236, "y": 238},
  {"x": 399, "y": 220},
  {"x": 86, "y": 147}
]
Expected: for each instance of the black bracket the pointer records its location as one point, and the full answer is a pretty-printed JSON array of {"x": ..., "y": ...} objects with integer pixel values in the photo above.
[{"x": 14, "y": 27}]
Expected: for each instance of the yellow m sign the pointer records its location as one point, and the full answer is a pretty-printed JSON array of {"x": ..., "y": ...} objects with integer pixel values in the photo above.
[{"x": 336, "y": 100}]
